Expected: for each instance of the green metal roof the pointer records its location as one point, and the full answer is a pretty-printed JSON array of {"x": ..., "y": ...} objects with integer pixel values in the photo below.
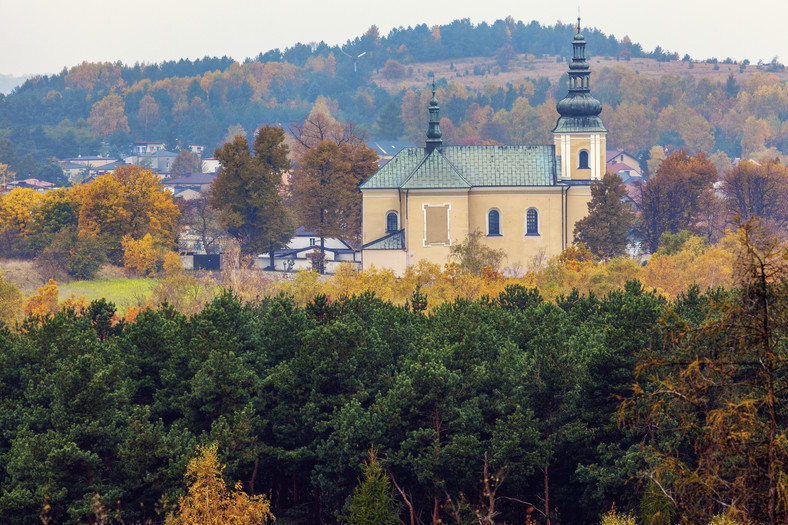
[
  {"x": 583, "y": 124},
  {"x": 435, "y": 172},
  {"x": 468, "y": 166},
  {"x": 392, "y": 241}
]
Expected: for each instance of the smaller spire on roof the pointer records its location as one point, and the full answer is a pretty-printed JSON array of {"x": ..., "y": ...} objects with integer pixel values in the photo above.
[
  {"x": 434, "y": 131},
  {"x": 578, "y": 19}
]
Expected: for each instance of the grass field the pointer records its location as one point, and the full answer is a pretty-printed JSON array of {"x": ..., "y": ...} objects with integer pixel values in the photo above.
[
  {"x": 110, "y": 283},
  {"x": 122, "y": 292}
]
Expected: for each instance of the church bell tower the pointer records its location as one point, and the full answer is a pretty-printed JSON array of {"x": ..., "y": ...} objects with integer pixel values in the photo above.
[{"x": 580, "y": 135}]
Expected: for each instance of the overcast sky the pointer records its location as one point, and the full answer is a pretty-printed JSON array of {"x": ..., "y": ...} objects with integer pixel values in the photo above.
[{"x": 43, "y": 36}]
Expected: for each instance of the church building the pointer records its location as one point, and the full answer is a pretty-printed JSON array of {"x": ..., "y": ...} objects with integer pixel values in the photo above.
[{"x": 524, "y": 199}]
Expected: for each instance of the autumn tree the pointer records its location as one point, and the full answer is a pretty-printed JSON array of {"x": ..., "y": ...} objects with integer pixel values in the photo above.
[
  {"x": 17, "y": 211},
  {"x": 11, "y": 301},
  {"x": 472, "y": 254},
  {"x": 6, "y": 174},
  {"x": 670, "y": 200},
  {"x": 209, "y": 502},
  {"x": 203, "y": 221},
  {"x": 712, "y": 397},
  {"x": 605, "y": 230},
  {"x": 148, "y": 114},
  {"x": 321, "y": 126},
  {"x": 130, "y": 201},
  {"x": 185, "y": 163},
  {"x": 325, "y": 189},
  {"x": 655, "y": 157},
  {"x": 236, "y": 130},
  {"x": 108, "y": 115},
  {"x": 757, "y": 190},
  {"x": 247, "y": 195}
]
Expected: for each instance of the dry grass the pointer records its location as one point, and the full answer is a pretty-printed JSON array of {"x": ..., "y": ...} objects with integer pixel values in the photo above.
[
  {"x": 23, "y": 274},
  {"x": 548, "y": 67}
]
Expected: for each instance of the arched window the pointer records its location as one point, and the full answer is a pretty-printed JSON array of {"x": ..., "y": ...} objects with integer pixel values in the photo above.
[
  {"x": 583, "y": 160},
  {"x": 532, "y": 222},
  {"x": 494, "y": 222},
  {"x": 392, "y": 221}
]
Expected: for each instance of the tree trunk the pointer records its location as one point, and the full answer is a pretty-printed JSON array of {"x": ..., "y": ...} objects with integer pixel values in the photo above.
[
  {"x": 546, "y": 471},
  {"x": 254, "y": 475}
]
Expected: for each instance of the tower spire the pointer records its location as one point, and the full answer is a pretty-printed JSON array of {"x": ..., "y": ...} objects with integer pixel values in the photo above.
[
  {"x": 579, "y": 109},
  {"x": 434, "y": 131}
]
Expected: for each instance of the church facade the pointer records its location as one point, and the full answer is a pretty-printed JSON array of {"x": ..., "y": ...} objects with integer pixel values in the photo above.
[{"x": 524, "y": 199}]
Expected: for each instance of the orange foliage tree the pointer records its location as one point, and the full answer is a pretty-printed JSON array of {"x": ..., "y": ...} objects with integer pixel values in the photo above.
[
  {"x": 108, "y": 115},
  {"x": 44, "y": 301},
  {"x": 132, "y": 202}
]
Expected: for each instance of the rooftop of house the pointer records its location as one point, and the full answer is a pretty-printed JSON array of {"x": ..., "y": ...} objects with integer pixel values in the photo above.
[
  {"x": 192, "y": 179},
  {"x": 389, "y": 148},
  {"x": 163, "y": 153}
]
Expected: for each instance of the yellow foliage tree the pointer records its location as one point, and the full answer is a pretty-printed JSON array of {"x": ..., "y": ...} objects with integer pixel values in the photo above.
[
  {"x": 108, "y": 115},
  {"x": 5, "y": 173},
  {"x": 129, "y": 202},
  {"x": 209, "y": 502},
  {"x": 11, "y": 301},
  {"x": 17, "y": 209},
  {"x": 143, "y": 256},
  {"x": 44, "y": 301}
]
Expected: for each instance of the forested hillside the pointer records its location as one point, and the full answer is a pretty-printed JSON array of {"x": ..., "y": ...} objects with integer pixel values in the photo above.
[{"x": 501, "y": 96}]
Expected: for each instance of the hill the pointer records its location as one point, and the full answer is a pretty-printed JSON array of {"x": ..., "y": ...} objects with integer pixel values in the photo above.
[
  {"x": 484, "y": 73},
  {"x": 552, "y": 67}
]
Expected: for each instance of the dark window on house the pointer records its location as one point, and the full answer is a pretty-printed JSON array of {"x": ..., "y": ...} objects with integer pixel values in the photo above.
[
  {"x": 392, "y": 222},
  {"x": 312, "y": 241},
  {"x": 583, "y": 161},
  {"x": 493, "y": 223},
  {"x": 532, "y": 222}
]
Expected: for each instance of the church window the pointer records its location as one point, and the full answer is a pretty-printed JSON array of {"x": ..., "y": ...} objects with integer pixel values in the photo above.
[
  {"x": 583, "y": 160},
  {"x": 532, "y": 222},
  {"x": 493, "y": 223},
  {"x": 392, "y": 222},
  {"x": 436, "y": 225}
]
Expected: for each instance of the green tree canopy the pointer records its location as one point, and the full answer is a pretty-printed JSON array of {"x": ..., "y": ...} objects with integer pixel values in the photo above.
[
  {"x": 606, "y": 227},
  {"x": 247, "y": 191}
]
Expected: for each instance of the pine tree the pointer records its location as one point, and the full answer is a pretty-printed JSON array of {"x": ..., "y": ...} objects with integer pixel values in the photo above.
[{"x": 605, "y": 229}]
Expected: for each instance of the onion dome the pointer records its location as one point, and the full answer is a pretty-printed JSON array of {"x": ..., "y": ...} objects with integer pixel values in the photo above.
[{"x": 579, "y": 110}]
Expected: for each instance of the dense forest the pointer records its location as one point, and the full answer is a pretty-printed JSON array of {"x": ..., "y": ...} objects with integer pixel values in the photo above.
[
  {"x": 101, "y": 107},
  {"x": 497, "y": 408}
]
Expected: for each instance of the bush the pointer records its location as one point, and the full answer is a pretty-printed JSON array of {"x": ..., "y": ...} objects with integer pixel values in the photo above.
[{"x": 79, "y": 258}]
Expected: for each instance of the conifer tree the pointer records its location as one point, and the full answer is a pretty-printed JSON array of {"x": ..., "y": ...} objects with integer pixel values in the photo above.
[
  {"x": 605, "y": 229},
  {"x": 373, "y": 502}
]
